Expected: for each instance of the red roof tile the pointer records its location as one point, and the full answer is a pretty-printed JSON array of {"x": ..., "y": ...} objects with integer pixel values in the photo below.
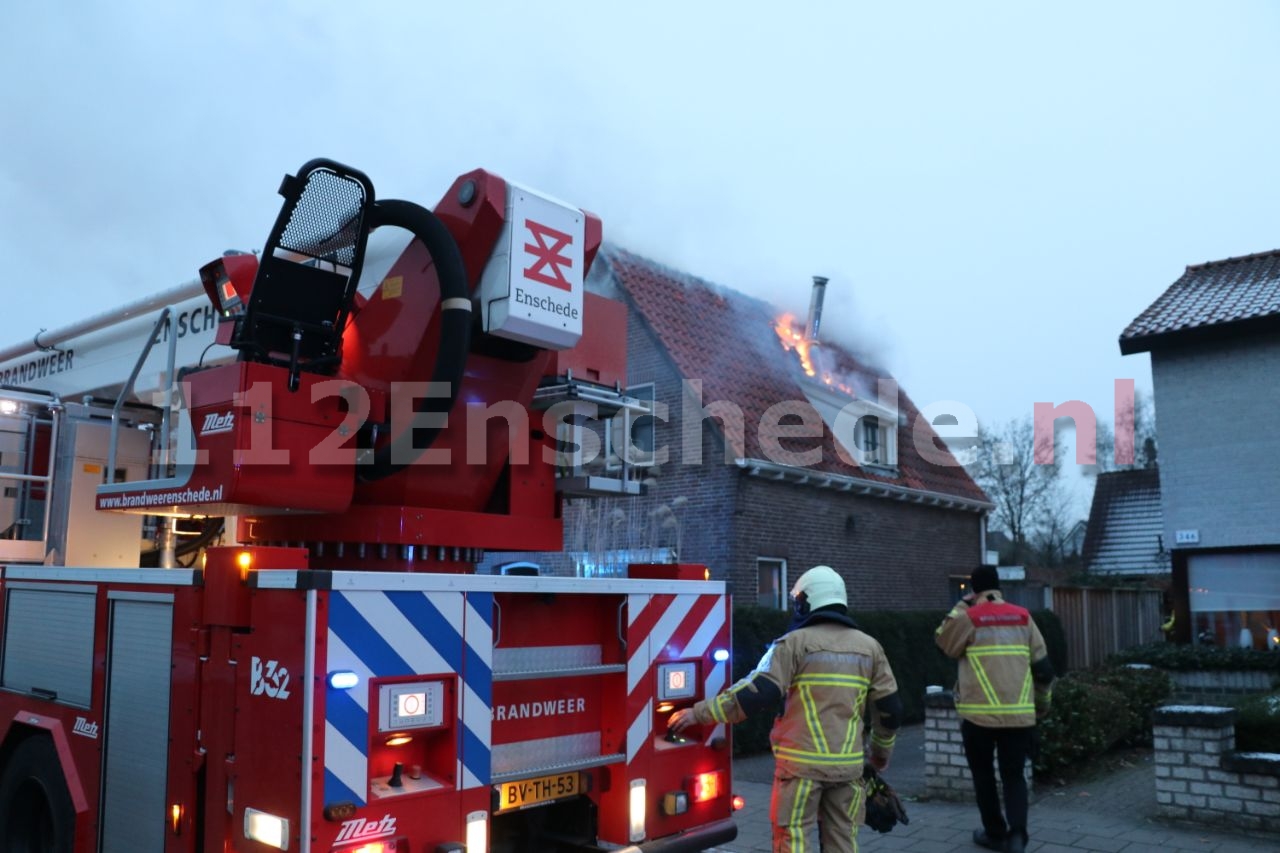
[
  {"x": 1207, "y": 297},
  {"x": 727, "y": 340}
]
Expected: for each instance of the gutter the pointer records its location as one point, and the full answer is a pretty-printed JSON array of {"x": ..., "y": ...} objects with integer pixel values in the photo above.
[{"x": 857, "y": 486}]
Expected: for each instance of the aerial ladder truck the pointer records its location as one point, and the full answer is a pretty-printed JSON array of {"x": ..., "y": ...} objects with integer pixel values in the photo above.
[{"x": 240, "y": 528}]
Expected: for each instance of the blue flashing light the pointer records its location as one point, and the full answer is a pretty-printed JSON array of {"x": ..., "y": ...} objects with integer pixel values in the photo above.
[
  {"x": 343, "y": 680},
  {"x": 720, "y": 655}
]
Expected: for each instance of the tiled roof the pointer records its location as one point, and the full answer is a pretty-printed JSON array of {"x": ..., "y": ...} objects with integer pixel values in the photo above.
[
  {"x": 727, "y": 340},
  {"x": 1207, "y": 297},
  {"x": 1126, "y": 525}
]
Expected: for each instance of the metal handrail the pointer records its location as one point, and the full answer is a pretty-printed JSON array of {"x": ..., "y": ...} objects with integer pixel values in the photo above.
[
  {"x": 53, "y": 404},
  {"x": 127, "y": 391}
]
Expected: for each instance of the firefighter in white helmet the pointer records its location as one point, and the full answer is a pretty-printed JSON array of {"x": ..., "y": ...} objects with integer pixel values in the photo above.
[{"x": 835, "y": 680}]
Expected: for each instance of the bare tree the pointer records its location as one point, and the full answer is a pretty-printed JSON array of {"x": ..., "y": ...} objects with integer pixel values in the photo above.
[
  {"x": 1053, "y": 529},
  {"x": 1144, "y": 439},
  {"x": 1004, "y": 464}
]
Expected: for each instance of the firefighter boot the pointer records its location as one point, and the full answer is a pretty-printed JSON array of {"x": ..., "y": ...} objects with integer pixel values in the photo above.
[
  {"x": 982, "y": 839},
  {"x": 1016, "y": 842}
]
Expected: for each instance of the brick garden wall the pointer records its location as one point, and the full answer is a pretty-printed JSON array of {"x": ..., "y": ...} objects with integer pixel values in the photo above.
[
  {"x": 1207, "y": 687},
  {"x": 1200, "y": 777}
]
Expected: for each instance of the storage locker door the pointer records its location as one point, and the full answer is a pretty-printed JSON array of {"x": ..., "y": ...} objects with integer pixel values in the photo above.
[
  {"x": 49, "y": 640},
  {"x": 137, "y": 724}
]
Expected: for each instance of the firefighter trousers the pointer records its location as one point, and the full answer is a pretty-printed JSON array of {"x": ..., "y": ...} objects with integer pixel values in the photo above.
[
  {"x": 798, "y": 803},
  {"x": 986, "y": 748}
]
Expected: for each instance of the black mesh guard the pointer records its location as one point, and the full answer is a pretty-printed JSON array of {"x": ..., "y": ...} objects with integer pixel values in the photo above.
[
  {"x": 326, "y": 220},
  {"x": 309, "y": 271}
]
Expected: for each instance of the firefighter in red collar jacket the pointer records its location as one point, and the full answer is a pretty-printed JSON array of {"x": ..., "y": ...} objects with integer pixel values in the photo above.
[
  {"x": 836, "y": 683},
  {"x": 1004, "y": 687}
]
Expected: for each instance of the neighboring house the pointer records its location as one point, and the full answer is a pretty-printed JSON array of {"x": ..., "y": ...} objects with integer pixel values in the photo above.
[
  {"x": 775, "y": 453},
  {"x": 1125, "y": 535},
  {"x": 1073, "y": 546},
  {"x": 1214, "y": 339}
]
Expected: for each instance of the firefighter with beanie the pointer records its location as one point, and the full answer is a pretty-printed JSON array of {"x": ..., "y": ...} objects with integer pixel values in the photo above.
[
  {"x": 1005, "y": 681},
  {"x": 835, "y": 682}
]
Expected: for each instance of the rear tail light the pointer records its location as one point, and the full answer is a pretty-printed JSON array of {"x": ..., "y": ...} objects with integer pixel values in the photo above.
[
  {"x": 739, "y": 802},
  {"x": 399, "y": 845},
  {"x": 706, "y": 786},
  {"x": 376, "y": 847}
]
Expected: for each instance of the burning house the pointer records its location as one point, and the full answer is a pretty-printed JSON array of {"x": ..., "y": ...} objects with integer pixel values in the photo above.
[{"x": 764, "y": 450}]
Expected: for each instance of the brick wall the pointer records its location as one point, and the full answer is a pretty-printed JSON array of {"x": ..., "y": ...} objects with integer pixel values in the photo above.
[
  {"x": 894, "y": 555},
  {"x": 1200, "y": 777},
  {"x": 1208, "y": 687}
]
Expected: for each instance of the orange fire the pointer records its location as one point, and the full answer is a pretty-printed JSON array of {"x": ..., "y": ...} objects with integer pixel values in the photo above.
[
  {"x": 793, "y": 340},
  {"x": 796, "y": 340}
]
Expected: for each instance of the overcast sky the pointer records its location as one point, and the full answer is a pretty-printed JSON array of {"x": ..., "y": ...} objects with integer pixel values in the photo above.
[{"x": 994, "y": 189}]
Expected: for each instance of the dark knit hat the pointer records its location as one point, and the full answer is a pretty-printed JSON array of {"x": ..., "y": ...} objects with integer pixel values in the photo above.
[{"x": 984, "y": 578}]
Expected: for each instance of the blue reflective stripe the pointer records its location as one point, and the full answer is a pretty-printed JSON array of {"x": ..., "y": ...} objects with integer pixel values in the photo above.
[
  {"x": 363, "y": 639},
  {"x": 431, "y": 624},
  {"x": 346, "y": 715},
  {"x": 336, "y": 792}
]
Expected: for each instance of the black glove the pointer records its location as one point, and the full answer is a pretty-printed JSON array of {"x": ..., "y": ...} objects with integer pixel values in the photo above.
[{"x": 884, "y": 810}]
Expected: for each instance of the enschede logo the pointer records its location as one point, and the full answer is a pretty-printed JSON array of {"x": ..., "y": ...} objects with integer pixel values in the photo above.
[
  {"x": 215, "y": 423},
  {"x": 547, "y": 253},
  {"x": 363, "y": 829}
]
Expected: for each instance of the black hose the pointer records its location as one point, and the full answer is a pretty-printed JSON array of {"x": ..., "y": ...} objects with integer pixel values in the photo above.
[{"x": 455, "y": 336}]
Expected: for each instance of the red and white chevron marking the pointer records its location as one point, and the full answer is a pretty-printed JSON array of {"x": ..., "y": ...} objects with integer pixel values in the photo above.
[{"x": 670, "y": 628}]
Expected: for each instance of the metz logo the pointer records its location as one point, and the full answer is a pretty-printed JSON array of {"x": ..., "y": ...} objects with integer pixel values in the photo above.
[
  {"x": 268, "y": 678},
  {"x": 549, "y": 261},
  {"x": 214, "y": 423},
  {"x": 361, "y": 829},
  {"x": 85, "y": 728}
]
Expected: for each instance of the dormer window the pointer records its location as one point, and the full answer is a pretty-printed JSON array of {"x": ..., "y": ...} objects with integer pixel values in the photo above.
[
  {"x": 867, "y": 430},
  {"x": 870, "y": 434}
]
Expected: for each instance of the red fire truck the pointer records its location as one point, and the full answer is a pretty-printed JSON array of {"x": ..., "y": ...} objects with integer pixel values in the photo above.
[{"x": 240, "y": 606}]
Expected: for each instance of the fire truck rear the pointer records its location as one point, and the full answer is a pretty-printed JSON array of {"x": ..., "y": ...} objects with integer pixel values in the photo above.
[{"x": 304, "y": 658}]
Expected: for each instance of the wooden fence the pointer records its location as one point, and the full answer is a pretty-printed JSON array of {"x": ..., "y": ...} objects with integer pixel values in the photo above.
[{"x": 1098, "y": 621}]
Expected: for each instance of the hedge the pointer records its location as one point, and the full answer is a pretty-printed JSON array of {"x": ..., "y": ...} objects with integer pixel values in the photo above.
[
  {"x": 1096, "y": 710},
  {"x": 1180, "y": 657},
  {"x": 907, "y": 638},
  {"x": 1258, "y": 723}
]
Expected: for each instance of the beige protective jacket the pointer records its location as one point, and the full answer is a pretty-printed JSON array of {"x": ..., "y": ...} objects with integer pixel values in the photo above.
[
  {"x": 997, "y": 644},
  {"x": 830, "y": 675}
]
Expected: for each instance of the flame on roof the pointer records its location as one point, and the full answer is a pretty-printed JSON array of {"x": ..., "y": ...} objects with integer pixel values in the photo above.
[{"x": 810, "y": 361}]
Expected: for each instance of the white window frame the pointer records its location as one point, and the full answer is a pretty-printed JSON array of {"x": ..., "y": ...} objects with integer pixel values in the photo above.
[
  {"x": 781, "y": 601},
  {"x": 830, "y": 403}
]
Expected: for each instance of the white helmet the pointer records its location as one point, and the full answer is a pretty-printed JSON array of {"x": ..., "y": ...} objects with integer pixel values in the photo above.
[{"x": 821, "y": 586}]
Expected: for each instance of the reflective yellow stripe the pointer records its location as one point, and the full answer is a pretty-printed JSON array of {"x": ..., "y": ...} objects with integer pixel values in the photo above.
[
  {"x": 720, "y": 705},
  {"x": 858, "y": 793},
  {"x": 811, "y": 719},
  {"x": 1025, "y": 695},
  {"x": 985, "y": 683},
  {"x": 998, "y": 709},
  {"x": 852, "y": 732},
  {"x": 886, "y": 742},
  {"x": 795, "y": 826},
  {"x": 831, "y": 679},
  {"x": 999, "y": 650},
  {"x": 818, "y": 759}
]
